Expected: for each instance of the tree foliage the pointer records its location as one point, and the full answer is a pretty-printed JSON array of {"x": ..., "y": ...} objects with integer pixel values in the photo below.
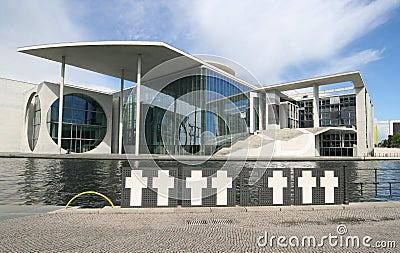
[{"x": 395, "y": 140}]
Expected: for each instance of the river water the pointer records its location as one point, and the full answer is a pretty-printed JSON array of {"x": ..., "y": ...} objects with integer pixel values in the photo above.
[{"x": 32, "y": 181}]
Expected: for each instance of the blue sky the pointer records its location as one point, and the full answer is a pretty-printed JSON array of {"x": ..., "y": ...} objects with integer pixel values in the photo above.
[{"x": 277, "y": 41}]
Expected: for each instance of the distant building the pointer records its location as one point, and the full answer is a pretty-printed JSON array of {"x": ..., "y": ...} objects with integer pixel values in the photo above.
[
  {"x": 394, "y": 126},
  {"x": 187, "y": 107}
]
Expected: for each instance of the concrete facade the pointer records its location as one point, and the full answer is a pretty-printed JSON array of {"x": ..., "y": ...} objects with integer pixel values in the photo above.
[
  {"x": 285, "y": 103},
  {"x": 13, "y": 100},
  {"x": 268, "y": 111},
  {"x": 15, "y": 109}
]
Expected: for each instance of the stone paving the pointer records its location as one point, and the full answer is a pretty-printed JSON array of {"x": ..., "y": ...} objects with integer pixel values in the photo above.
[{"x": 235, "y": 229}]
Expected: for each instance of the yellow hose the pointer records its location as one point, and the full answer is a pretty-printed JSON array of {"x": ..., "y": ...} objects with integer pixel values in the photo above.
[{"x": 90, "y": 192}]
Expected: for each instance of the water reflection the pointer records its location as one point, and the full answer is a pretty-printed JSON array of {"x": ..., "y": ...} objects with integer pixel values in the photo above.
[
  {"x": 54, "y": 182},
  {"x": 29, "y": 181}
]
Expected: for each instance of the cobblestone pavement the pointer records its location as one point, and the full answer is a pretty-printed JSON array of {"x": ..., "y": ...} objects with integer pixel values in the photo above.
[{"x": 200, "y": 229}]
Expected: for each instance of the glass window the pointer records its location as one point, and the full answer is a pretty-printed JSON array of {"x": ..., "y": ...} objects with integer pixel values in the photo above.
[
  {"x": 84, "y": 123},
  {"x": 211, "y": 103},
  {"x": 337, "y": 144}
]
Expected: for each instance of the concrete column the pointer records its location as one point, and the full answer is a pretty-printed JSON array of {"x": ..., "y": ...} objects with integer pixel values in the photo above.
[
  {"x": 267, "y": 102},
  {"x": 61, "y": 104},
  {"x": 273, "y": 104},
  {"x": 370, "y": 120},
  {"x": 317, "y": 145},
  {"x": 202, "y": 108},
  {"x": 176, "y": 131},
  {"x": 261, "y": 112},
  {"x": 361, "y": 116},
  {"x": 252, "y": 112},
  {"x": 283, "y": 115},
  {"x": 121, "y": 105},
  {"x": 138, "y": 84},
  {"x": 316, "y": 105}
]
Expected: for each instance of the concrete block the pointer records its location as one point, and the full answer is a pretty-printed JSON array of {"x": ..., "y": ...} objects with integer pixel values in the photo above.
[
  {"x": 119, "y": 210},
  {"x": 297, "y": 208},
  {"x": 386, "y": 204},
  {"x": 263, "y": 208},
  {"x": 193, "y": 210},
  {"x": 327, "y": 207},
  {"x": 360, "y": 205},
  {"x": 234, "y": 209}
]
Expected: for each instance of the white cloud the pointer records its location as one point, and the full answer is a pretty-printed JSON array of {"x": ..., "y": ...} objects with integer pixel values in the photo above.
[
  {"x": 353, "y": 62},
  {"x": 270, "y": 36},
  {"x": 140, "y": 20},
  {"x": 25, "y": 23}
]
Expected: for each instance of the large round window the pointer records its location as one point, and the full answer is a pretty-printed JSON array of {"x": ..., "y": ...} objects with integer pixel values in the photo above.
[{"x": 84, "y": 123}]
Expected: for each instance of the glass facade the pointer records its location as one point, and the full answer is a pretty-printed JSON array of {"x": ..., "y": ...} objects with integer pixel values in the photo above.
[
  {"x": 334, "y": 111},
  {"x": 228, "y": 109},
  {"x": 338, "y": 111},
  {"x": 337, "y": 144},
  {"x": 292, "y": 114},
  {"x": 84, "y": 123},
  {"x": 129, "y": 117},
  {"x": 197, "y": 114},
  {"x": 305, "y": 113}
]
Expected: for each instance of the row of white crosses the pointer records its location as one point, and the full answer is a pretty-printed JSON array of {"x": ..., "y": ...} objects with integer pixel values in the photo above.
[
  {"x": 136, "y": 182},
  {"x": 306, "y": 182},
  {"x": 196, "y": 182},
  {"x": 329, "y": 182}
]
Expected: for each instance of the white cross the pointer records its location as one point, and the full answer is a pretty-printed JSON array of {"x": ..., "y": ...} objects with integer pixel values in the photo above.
[
  {"x": 307, "y": 182},
  {"x": 136, "y": 182},
  {"x": 196, "y": 183},
  {"x": 277, "y": 182},
  {"x": 222, "y": 182},
  {"x": 329, "y": 182},
  {"x": 163, "y": 183}
]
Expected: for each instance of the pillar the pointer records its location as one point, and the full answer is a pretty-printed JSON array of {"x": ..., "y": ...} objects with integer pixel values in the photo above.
[
  {"x": 121, "y": 104},
  {"x": 138, "y": 84},
  {"x": 61, "y": 104},
  {"x": 316, "y": 105}
]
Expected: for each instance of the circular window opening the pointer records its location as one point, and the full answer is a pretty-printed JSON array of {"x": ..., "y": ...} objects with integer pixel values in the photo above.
[
  {"x": 32, "y": 117},
  {"x": 84, "y": 123}
]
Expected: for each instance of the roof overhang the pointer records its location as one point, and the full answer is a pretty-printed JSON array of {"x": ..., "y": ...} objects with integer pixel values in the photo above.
[
  {"x": 110, "y": 57},
  {"x": 354, "y": 77},
  {"x": 321, "y": 130}
]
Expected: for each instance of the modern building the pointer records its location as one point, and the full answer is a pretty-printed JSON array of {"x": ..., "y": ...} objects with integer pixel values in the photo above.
[
  {"x": 394, "y": 126},
  {"x": 187, "y": 106}
]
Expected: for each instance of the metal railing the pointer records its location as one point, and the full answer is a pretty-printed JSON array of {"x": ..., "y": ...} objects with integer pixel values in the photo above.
[
  {"x": 386, "y": 154},
  {"x": 360, "y": 185},
  {"x": 384, "y": 185}
]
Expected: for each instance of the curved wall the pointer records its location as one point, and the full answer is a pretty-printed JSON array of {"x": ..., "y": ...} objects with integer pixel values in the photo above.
[
  {"x": 32, "y": 120},
  {"x": 48, "y": 94}
]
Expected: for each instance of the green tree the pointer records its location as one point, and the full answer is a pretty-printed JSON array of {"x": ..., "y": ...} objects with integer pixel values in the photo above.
[
  {"x": 395, "y": 142},
  {"x": 389, "y": 141}
]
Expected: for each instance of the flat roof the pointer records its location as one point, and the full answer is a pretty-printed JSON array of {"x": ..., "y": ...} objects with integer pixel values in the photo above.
[
  {"x": 110, "y": 57},
  {"x": 354, "y": 77}
]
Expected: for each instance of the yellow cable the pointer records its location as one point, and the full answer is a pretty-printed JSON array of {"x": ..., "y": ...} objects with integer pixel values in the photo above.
[{"x": 89, "y": 192}]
